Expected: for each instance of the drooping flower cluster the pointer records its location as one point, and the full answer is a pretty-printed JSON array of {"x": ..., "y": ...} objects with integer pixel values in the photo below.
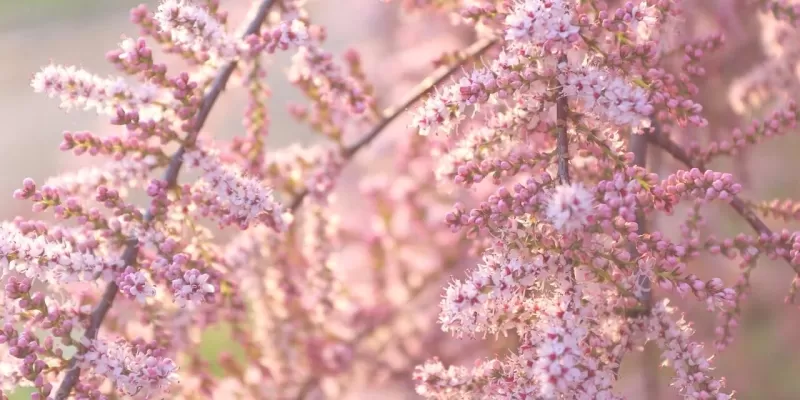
[{"x": 691, "y": 366}]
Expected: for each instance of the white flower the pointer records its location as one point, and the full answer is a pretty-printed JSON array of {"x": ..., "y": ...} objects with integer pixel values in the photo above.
[{"x": 570, "y": 208}]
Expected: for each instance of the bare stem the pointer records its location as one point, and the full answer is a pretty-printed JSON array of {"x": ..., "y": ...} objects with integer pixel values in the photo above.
[
  {"x": 638, "y": 145},
  {"x": 391, "y": 113},
  {"x": 562, "y": 141},
  {"x": 171, "y": 177},
  {"x": 676, "y": 151}
]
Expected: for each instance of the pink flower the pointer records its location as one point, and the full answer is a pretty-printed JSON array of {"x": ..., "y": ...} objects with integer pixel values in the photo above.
[
  {"x": 193, "y": 27},
  {"x": 134, "y": 372},
  {"x": 692, "y": 368},
  {"x": 226, "y": 194},
  {"x": 192, "y": 288},
  {"x": 540, "y": 22},
  {"x": 337, "y": 296},
  {"x": 570, "y": 207},
  {"x": 77, "y": 88},
  {"x": 136, "y": 285}
]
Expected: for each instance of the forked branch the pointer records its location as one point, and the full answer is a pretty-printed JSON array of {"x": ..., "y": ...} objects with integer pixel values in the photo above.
[{"x": 171, "y": 177}]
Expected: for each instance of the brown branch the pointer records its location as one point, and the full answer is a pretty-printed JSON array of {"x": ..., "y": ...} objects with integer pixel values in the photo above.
[
  {"x": 638, "y": 145},
  {"x": 171, "y": 177},
  {"x": 391, "y": 113},
  {"x": 562, "y": 140},
  {"x": 676, "y": 151}
]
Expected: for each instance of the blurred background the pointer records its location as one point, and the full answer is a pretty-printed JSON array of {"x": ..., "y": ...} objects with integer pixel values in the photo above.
[{"x": 764, "y": 362}]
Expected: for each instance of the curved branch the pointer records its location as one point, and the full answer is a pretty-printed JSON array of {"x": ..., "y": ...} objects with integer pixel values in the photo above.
[
  {"x": 391, "y": 113},
  {"x": 676, "y": 151}
]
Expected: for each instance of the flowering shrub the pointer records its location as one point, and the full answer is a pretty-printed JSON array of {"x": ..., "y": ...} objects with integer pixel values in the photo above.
[{"x": 535, "y": 136}]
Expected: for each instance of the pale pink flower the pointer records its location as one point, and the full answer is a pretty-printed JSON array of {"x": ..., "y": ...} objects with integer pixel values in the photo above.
[
  {"x": 136, "y": 285},
  {"x": 604, "y": 94},
  {"x": 540, "y": 22},
  {"x": 192, "y": 26},
  {"x": 55, "y": 262},
  {"x": 440, "y": 113},
  {"x": 692, "y": 367},
  {"x": 192, "y": 288},
  {"x": 227, "y": 194},
  {"x": 77, "y": 88},
  {"x": 135, "y": 373},
  {"x": 570, "y": 207}
]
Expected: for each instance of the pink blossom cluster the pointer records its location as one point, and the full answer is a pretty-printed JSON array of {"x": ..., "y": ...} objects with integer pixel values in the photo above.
[
  {"x": 230, "y": 196},
  {"x": 334, "y": 279}
]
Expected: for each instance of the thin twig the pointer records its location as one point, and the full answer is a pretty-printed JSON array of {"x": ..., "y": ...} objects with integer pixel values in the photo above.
[
  {"x": 638, "y": 145},
  {"x": 676, "y": 151},
  {"x": 171, "y": 177},
  {"x": 391, "y": 113},
  {"x": 562, "y": 140}
]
